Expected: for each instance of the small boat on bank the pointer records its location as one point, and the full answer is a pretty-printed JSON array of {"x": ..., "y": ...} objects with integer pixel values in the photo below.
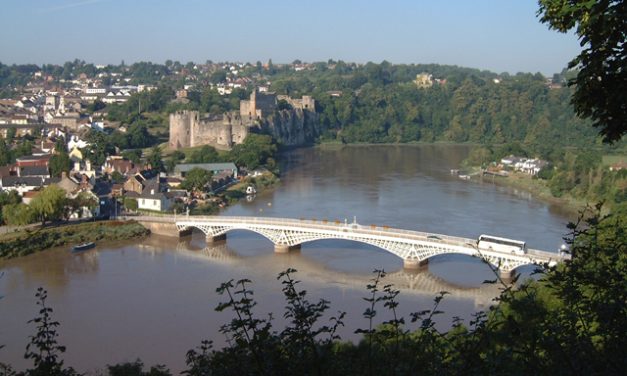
[{"x": 83, "y": 246}]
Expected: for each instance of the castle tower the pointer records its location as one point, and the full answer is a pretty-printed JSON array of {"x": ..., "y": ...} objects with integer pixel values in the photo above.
[
  {"x": 248, "y": 108},
  {"x": 308, "y": 103},
  {"x": 181, "y": 124},
  {"x": 225, "y": 133}
]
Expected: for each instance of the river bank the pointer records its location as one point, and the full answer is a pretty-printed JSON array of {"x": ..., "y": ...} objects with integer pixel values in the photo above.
[
  {"x": 22, "y": 241},
  {"x": 537, "y": 188},
  {"x": 238, "y": 191},
  {"x": 31, "y": 240},
  {"x": 338, "y": 144}
]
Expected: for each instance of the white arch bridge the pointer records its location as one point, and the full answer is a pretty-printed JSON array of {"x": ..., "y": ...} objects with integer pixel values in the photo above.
[{"x": 413, "y": 247}]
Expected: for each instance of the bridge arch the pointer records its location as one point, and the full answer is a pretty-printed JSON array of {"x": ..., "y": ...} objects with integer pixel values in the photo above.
[
  {"x": 413, "y": 255},
  {"x": 412, "y": 247}
]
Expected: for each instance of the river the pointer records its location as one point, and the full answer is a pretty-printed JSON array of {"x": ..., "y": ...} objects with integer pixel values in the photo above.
[{"x": 154, "y": 299}]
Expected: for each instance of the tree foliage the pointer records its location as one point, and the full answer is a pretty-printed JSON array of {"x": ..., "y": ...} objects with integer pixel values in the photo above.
[
  {"x": 130, "y": 204},
  {"x": 18, "y": 214},
  {"x": 254, "y": 151},
  {"x": 60, "y": 163},
  {"x": 196, "y": 180},
  {"x": 206, "y": 154},
  {"x": 43, "y": 349},
  {"x": 49, "y": 204},
  {"x": 11, "y": 197},
  {"x": 602, "y": 78},
  {"x": 155, "y": 159}
]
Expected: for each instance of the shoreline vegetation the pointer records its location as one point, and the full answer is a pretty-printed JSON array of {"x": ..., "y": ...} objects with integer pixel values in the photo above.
[
  {"x": 236, "y": 192},
  {"x": 31, "y": 240},
  {"x": 538, "y": 190}
]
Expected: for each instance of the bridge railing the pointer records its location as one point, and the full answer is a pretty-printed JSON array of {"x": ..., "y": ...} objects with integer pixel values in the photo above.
[{"x": 336, "y": 226}]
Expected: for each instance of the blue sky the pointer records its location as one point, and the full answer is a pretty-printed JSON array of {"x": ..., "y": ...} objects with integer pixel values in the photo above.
[{"x": 498, "y": 35}]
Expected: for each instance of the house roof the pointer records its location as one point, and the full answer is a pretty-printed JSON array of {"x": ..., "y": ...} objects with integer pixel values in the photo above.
[
  {"x": 34, "y": 171},
  {"x": 149, "y": 195},
  {"x": 29, "y": 181},
  {"x": 186, "y": 167},
  {"x": 25, "y": 158},
  {"x": 68, "y": 184},
  {"x": 120, "y": 165}
]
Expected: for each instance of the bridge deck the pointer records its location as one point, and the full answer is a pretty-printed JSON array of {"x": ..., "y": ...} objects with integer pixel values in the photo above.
[{"x": 325, "y": 225}]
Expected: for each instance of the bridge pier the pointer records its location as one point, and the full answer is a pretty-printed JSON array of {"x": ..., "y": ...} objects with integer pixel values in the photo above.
[
  {"x": 506, "y": 275},
  {"x": 413, "y": 264},
  {"x": 284, "y": 248},
  {"x": 214, "y": 239},
  {"x": 185, "y": 232}
]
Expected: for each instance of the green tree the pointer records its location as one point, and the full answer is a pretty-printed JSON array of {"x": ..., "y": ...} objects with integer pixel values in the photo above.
[
  {"x": 97, "y": 105},
  {"x": 138, "y": 136},
  {"x": 11, "y": 134},
  {"x": 130, "y": 204},
  {"x": 136, "y": 369},
  {"x": 23, "y": 148},
  {"x": 5, "y": 153},
  {"x": 132, "y": 155},
  {"x": 59, "y": 163},
  {"x": 218, "y": 76},
  {"x": 18, "y": 214},
  {"x": 602, "y": 78},
  {"x": 254, "y": 151},
  {"x": 176, "y": 157},
  {"x": 60, "y": 146},
  {"x": 206, "y": 154},
  {"x": 49, "y": 204},
  {"x": 479, "y": 156},
  {"x": 117, "y": 177},
  {"x": 196, "y": 180},
  {"x": 82, "y": 200},
  {"x": 43, "y": 347},
  {"x": 99, "y": 147},
  {"x": 8, "y": 198},
  {"x": 155, "y": 159}
]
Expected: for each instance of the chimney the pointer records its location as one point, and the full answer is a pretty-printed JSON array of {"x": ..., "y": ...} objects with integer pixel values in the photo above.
[
  {"x": 77, "y": 166},
  {"x": 152, "y": 192},
  {"x": 87, "y": 165}
]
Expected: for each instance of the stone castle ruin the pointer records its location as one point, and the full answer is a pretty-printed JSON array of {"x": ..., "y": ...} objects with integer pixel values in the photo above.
[{"x": 258, "y": 114}]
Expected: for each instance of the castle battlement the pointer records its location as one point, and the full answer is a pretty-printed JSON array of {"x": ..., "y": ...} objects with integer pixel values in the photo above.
[{"x": 189, "y": 129}]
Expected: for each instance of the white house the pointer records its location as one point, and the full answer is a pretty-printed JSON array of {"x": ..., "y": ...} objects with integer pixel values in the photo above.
[
  {"x": 76, "y": 142},
  {"x": 533, "y": 166},
  {"x": 151, "y": 199}
]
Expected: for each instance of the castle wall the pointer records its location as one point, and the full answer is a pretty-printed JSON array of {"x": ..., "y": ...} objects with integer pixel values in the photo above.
[
  {"x": 292, "y": 127},
  {"x": 265, "y": 102},
  {"x": 247, "y": 109},
  {"x": 305, "y": 103},
  {"x": 221, "y": 133}
]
